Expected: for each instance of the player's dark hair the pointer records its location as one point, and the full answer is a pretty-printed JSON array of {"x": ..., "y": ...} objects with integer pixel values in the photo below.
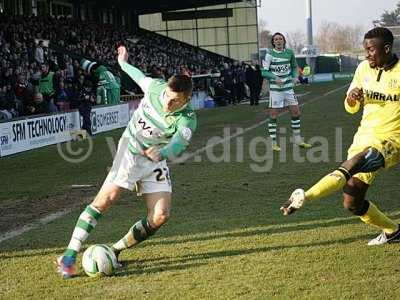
[
  {"x": 181, "y": 83},
  {"x": 382, "y": 33},
  {"x": 274, "y": 35}
]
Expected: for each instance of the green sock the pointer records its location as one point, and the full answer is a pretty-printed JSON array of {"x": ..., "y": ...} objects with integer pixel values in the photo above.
[{"x": 85, "y": 224}]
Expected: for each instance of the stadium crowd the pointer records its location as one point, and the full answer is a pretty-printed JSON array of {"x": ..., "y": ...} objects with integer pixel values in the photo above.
[{"x": 36, "y": 79}]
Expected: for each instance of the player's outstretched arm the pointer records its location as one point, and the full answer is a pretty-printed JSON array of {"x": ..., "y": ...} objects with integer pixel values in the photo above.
[{"x": 134, "y": 73}]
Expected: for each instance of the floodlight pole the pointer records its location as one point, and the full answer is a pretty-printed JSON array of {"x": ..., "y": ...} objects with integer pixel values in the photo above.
[
  {"x": 309, "y": 23},
  {"x": 310, "y": 50}
]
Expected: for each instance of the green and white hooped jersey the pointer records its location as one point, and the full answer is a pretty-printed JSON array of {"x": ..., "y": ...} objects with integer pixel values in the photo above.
[
  {"x": 150, "y": 125},
  {"x": 281, "y": 64}
]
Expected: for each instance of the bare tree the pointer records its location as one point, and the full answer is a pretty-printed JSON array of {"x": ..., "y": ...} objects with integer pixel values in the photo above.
[
  {"x": 264, "y": 35},
  {"x": 389, "y": 18},
  {"x": 296, "y": 40},
  {"x": 334, "y": 37}
]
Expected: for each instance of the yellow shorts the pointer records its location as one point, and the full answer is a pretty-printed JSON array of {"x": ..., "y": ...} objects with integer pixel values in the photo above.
[{"x": 389, "y": 147}]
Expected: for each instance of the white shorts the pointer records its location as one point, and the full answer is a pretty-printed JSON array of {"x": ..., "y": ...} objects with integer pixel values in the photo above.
[
  {"x": 134, "y": 170},
  {"x": 282, "y": 99}
]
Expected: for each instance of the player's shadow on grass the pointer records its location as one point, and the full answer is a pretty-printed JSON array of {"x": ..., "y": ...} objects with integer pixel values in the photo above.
[
  {"x": 173, "y": 263},
  {"x": 272, "y": 229},
  {"x": 169, "y": 239}
]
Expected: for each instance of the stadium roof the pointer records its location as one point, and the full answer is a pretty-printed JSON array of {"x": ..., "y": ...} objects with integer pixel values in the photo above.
[{"x": 153, "y": 6}]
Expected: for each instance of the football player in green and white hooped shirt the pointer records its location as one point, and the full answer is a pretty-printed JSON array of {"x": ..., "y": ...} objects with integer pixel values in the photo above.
[
  {"x": 280, "y": 68},
  {"x": 160, "y": 129}
]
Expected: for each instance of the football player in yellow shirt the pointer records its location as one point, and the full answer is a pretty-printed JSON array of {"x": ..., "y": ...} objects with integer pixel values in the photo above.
[{"x": 376, "y": 89}]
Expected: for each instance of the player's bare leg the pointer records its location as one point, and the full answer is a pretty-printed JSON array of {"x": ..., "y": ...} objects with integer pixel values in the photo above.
[
  {"x": 158, "y": 213},
  {"x": 354, "y": 201}
]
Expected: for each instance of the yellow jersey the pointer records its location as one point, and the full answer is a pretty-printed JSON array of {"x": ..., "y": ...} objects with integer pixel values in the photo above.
[{"x": 381, "y": 89}]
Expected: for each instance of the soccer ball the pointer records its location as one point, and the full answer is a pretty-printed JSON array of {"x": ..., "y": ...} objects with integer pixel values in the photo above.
[{"x": 99, "y": 260}]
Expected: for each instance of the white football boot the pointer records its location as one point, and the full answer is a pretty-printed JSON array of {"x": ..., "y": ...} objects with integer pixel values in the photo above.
[
  {"x": 383, "y": 238},
  {"x": 295, "y": 202}
]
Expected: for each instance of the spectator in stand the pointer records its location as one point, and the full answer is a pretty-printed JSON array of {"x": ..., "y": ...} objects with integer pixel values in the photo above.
[
  {"x": 75, "y": 88},
  {"x": 34, "y": 73},
  {"x": 20, "y": 93},
  {"x": 5, "y": 113},
  {"x": 20, "y": 55},
  {"x": 62, "y": 98},
  {"x": 30, "y": 50},
  {"x": 156, "y": 73},
  {"x": 11, "y": 101},
  {"x": 28, "y": 103},
  {"x": 36, "y": 105},
  {"x": 7, "y": 77},
  {"x": 184, "y": 70},
  {"x": 70, "y": 90},
  {"x": 69, "y": 69},
  {"x": 20, "y": 86},
  {"x": 39, "y": 53},
  {"x": 47, "y": 87}
]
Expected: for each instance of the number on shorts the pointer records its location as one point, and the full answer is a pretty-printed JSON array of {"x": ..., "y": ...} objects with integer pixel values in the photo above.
[{"x": 162, "y": 174}]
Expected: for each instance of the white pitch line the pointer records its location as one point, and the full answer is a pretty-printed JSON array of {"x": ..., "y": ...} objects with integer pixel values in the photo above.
[
  {"x": 45, "y": 220},
  {"x": 184, "y": 157},
  {"x": 37, "y": 223},
  {"x": 265, "y": 100}
]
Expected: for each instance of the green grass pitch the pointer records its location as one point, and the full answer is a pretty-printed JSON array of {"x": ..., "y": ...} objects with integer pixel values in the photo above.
[{"x": 226, "y": 238}]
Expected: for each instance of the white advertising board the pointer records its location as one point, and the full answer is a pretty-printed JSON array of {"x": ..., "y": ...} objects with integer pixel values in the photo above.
[
  {"x": 25, "y": 134},
  {"x": 109, "y": 117}
]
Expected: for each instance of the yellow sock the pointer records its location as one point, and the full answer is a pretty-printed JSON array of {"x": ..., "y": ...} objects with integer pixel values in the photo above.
[
  {"x": 326, "y": 186},
  {"x": 375, "y": 217}
]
